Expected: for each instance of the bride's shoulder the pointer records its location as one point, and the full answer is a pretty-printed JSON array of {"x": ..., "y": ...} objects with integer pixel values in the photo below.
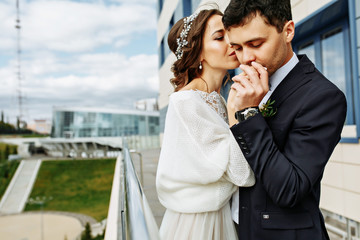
[{"x": 182, "y": 95}]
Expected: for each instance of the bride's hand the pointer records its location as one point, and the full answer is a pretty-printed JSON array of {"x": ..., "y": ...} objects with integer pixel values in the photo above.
[{"x": 231, "y": 107}]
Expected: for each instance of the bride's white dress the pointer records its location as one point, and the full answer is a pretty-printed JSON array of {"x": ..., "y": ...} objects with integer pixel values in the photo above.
[{"x": 200, "y": 167}]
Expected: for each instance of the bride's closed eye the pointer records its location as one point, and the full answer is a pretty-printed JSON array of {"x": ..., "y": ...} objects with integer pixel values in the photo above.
[{"x": 219, "y": 37}]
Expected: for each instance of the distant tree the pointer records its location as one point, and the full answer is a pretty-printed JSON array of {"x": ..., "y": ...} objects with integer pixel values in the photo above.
[
  {"x": 6, "y": 128},
  {"x": 87, "y": 232},
  {"x": 2, "y": 116}
]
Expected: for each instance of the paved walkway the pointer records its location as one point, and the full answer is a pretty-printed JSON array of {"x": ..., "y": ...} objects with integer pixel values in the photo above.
[
  {"x": 18, "y": 191},
  {"x": 150, "y": 162},
  {"x": 37, "y": 226}
]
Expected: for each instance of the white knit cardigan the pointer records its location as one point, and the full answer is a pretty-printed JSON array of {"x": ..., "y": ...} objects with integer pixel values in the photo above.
[{"x": 200, "y": 163}]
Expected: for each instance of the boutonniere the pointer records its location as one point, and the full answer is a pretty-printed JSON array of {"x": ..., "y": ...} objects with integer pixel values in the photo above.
[{"x": 267, "y": 109}]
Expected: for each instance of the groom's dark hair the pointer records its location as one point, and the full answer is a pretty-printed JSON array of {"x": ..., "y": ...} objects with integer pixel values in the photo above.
[{"x": 274, "y": 12}]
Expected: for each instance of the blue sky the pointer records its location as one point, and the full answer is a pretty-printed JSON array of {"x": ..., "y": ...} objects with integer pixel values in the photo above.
[{"x": 77, "y": 53}]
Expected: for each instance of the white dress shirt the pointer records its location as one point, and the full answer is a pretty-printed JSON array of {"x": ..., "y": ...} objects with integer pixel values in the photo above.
[{"x": 274, "y": 81}]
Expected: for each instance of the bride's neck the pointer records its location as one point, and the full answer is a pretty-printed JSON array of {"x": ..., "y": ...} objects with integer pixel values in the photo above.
[
  {"x": 213, "y": 80},
  {"x": 208, "y": 81}
]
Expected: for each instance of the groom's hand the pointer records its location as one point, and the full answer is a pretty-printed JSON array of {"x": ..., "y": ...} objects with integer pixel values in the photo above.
[{"x": 250, "y": 87}]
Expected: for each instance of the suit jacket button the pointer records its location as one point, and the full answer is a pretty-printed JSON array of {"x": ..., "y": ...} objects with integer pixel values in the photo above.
[{"x": 240, "y": 137}]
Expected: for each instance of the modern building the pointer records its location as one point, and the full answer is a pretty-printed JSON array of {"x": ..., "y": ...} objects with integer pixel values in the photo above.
[
  {"x": 328, "y": 31},
  {"x": 71, "y": 122}
]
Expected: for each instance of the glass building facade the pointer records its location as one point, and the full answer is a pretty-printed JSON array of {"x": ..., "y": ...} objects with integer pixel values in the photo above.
[{"x": 71, "y": 122}]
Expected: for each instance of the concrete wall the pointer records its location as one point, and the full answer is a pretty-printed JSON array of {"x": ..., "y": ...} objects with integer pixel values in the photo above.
[{"x": 340, "y": 191}]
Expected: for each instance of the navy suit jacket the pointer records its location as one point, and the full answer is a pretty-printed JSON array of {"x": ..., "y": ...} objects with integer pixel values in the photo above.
[{"x": 288, "y": 153}]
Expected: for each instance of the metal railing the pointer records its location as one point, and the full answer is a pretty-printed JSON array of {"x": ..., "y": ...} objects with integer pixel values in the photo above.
[
  {"x": 130, "y": 216},
  {"x": 344, "y": 227}
]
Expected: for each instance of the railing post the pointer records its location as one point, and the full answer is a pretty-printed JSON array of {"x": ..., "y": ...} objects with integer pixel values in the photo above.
[
  {"x": 141, "y": 165},
  {"x": 348, "y": 229}
]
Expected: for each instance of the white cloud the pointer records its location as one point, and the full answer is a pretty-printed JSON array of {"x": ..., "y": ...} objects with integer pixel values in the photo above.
[
  {"x": 93, "y": 79},
  {"x": 71, "y": 55},
  {"x": 7, "y": 26},
  {"x": 75, "y": 26},
  {"x": 136, "y": 1}
]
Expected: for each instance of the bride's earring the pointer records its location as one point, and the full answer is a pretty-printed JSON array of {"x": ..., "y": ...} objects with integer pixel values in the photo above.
[{"x": 200, "y": 66}]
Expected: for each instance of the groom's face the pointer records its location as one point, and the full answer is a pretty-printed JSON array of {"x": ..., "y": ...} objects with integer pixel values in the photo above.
[{"x": 260, "y": 42}]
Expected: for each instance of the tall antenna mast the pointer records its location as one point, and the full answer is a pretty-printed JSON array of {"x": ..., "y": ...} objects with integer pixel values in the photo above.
[{"x": 18, "y": 73}]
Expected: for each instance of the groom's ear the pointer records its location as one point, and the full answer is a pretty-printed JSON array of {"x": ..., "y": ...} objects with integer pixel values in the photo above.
[{"x": 289, "y": 31}]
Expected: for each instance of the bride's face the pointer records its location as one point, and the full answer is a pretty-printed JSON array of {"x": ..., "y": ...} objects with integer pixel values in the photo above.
[{"x": 216, "y": 51}]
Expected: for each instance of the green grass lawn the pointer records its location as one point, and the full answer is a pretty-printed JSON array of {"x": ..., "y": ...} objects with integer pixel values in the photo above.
[
  {"x": 80, "y": 186},
  {"x": 7, "y": 171}
]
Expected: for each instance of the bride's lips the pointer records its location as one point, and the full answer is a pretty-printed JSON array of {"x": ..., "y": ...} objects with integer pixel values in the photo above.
[{"x": 232, "y": 53}]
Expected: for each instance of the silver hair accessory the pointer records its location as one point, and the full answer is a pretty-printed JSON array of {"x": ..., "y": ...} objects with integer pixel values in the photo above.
[{"x": 181, "y": 41}]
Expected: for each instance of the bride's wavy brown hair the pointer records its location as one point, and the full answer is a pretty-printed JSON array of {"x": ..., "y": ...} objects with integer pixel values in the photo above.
[{"x": 187, "y": 68}]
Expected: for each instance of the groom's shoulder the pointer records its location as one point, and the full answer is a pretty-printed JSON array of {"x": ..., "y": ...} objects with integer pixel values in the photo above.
[{"x": 318, "y": 80}]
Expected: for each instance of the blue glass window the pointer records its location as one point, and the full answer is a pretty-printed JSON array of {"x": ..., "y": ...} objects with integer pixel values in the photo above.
[
  {"x": 309, "y": 50},
  {"x": 186, "y": 7},
  {"x": 161, "y": 53},
  {"x": 160, "y": 6},
  {"x": 325, "y": 37},
  {"x": 332, "y": 61},
  {"x": 333, "y": 58},
  {"x": 194, "y": 4}
]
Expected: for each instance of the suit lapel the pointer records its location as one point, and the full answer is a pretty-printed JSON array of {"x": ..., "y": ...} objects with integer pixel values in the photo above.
[{"x": 296, "y": 78}]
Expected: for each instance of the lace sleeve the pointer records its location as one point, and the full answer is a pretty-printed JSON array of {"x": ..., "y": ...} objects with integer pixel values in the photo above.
[{"x": 216, "y": 102}]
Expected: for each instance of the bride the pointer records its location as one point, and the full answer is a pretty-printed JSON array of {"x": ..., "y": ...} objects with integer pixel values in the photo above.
[{"x": 201, "y": 164}]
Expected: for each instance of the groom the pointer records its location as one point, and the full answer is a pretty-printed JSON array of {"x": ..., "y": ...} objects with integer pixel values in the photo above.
[{"x": 289, "y": 148}]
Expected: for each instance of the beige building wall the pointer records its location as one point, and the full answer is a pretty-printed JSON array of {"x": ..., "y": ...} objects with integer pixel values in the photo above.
[
  {"x": 304, "y": 8},
  {"x": 340, "y": 191}
]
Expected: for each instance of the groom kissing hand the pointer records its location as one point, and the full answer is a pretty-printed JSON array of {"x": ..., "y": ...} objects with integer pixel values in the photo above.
[{"x": 288, "y": 148}]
